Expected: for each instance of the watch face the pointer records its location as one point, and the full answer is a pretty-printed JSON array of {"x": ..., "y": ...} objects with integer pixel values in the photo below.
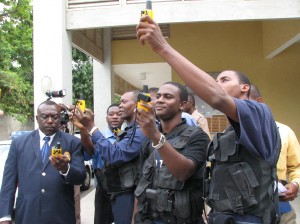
[
  {"x": 161, "y": 142},
  {"x": 162, "y": 139}
]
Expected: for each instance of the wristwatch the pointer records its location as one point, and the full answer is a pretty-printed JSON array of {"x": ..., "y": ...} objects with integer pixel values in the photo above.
[
  {"x": 92, "y": 130},
  {"x": 161, "y": 142}
]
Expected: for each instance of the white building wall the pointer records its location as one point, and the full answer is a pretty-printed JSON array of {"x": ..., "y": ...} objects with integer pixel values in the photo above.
[
  {"x": 103, "y": 82},
  {"x": 52, "y": 49}
]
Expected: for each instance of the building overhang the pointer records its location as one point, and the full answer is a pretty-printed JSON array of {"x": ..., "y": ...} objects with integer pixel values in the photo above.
[{"x": 88, "y": 14}]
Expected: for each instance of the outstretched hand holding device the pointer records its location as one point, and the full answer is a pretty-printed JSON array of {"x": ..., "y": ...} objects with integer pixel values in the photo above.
[
  {"x": 146, "y": 119},
  {"x": 85, "y": 118},
  {"x": 148, "y": 31},
  {"x": 143, "y": 97}
]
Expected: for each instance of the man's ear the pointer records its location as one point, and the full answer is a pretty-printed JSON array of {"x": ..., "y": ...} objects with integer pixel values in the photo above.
[
  {"x": 245, "y": 88},
  {"x": 259, "y": 99},
  {"x": 182, "y": 105}
]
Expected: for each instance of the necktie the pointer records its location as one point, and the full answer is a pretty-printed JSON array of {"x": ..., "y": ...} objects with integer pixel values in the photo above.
[{"x": 45, "y": 148}]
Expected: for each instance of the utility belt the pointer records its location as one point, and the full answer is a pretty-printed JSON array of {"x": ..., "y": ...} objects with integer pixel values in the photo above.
[
  {"x": 170, "y": 206},
  {"x": 118, "y": 179}
]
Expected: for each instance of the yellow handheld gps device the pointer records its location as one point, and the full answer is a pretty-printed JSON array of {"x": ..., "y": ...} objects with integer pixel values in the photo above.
[
  {"x": 56, "y": 150},
  {"x": 81, "y": 103},
  {"x": 148, "y": 11},
  {"x": 143, "y": 97}
]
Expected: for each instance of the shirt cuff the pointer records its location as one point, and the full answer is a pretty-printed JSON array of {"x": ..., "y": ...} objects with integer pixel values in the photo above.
[
  {"x": 92, "y": 130},
  {"x": 96, "y": 135},
  {"x": 5, "y": 218},
  {"x": 65, "y": 174}
]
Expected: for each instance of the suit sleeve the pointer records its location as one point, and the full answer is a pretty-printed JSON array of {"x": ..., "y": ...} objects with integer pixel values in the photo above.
[
  {"x": 9, "y": 182},
  {"x": 76, "y": 174}
]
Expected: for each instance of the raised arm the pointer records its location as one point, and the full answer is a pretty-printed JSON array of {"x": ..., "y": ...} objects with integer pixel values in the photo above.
[
  {"x": 199, "y": 81},
  {"x": 86, "y": 141}
]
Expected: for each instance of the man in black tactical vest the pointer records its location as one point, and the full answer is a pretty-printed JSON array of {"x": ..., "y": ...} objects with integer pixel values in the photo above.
[
  {"x": 119, "y": 174},
  {"x": 245, "y": 156},
  {"x": 172, "y": 162}
]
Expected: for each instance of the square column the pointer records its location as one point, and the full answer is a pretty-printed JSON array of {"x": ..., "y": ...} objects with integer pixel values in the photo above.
[
  {"x": 52, "y": 50},
  {"x": 103, "y": 90}
]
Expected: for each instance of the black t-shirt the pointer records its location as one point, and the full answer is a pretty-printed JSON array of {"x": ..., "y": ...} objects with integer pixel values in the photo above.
[{"x": 195, "y": 148}]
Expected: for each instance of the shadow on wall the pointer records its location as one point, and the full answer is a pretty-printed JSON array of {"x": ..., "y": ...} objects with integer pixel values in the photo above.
[{"x": 9, "y": 124}]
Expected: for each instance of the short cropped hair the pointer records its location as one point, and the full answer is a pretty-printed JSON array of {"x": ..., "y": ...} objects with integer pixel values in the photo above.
[
  {"x": 183, "y": 93},
  {"x": 112, "y": 105},
  {"x": 243, "y": 79},
  {"x": 135, "y": 93},
  {"x": 48, "y": 102}
]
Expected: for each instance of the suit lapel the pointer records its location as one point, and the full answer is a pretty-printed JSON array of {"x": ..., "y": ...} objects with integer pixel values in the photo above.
[{"x": 36, "y": 147}]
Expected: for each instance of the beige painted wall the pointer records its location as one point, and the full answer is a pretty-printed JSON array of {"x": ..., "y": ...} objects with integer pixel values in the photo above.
[
  {"x": 277, "y": 33},
  {"x": 231, "y": 45}
]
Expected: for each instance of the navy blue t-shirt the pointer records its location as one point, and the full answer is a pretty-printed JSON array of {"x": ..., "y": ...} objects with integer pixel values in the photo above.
[{"x": 256, "y": 130}]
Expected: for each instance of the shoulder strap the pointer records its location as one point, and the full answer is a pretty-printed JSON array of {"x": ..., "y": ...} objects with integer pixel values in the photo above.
[{"x": 121, "y": 135}]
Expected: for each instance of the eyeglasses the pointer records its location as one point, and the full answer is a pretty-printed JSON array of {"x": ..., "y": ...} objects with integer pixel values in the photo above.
[{"x": 46, "y": 117}]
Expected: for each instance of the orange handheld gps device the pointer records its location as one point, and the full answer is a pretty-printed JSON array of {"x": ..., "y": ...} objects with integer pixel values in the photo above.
[
  {"x": 148, "y": 11},
  {"x": 143, "y": 97}
]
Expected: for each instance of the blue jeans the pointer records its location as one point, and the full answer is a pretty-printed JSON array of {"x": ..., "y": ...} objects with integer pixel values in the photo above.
[{"x": 122, "y": 208}]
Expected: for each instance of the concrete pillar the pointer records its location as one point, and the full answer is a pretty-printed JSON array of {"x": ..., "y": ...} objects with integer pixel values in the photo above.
[
  {"x": 103, "y": 82},
  {"x": 52, "y": 50}
]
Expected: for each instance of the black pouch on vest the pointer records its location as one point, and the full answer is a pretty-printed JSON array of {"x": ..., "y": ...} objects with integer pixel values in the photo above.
[
  {"x": 182, "y": 204},
  {"x": 145, "y": 179},
  {"x": 144, "y": 183},
  {"x": 161, "y": 202},
  {"x": 127, "y": 175},
  {"x": 110, "y": 179},
  {"x": 244, "y": 182}
]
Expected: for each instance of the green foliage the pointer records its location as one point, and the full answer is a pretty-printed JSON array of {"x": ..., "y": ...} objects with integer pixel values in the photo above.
[
  {"x": 16, "y": 38},
  {"x": 16, "y": 63},
  {"x": 117, "y": 98},
  {"x": 16, "y": 59},
  {"x": 82, "y": 77},
  {"x": 17, "y": 96}
]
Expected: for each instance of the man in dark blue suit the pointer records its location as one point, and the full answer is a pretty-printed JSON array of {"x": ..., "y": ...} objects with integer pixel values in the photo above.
[{"x": 45, "y": 182}]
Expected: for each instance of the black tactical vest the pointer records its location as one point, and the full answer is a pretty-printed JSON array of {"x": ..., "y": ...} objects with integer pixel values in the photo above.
[
  {"x": 119, "y": 178},
  {"x": 160, "y": 194},
  {"x": 239, "y": 182}
]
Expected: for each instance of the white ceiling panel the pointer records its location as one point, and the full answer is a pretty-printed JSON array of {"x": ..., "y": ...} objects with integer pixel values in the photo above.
[{"x": 155, "y": 74}]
